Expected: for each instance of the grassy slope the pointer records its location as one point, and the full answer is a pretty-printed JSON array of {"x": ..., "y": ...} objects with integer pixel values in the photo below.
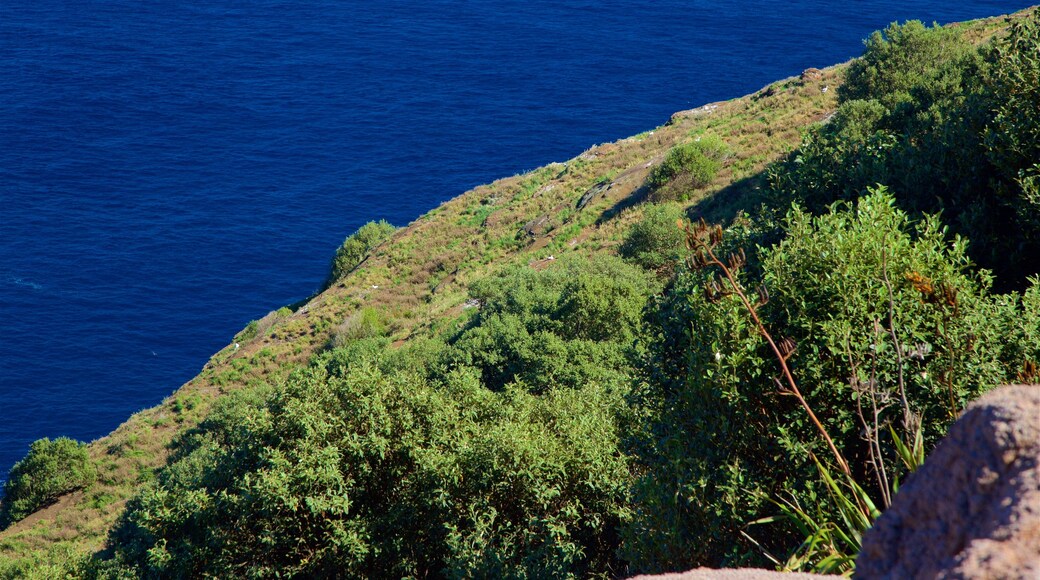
[{"x": 418, "y": 279}]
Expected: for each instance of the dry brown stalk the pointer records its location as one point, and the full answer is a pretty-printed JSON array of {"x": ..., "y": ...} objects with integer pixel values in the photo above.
[
  {"x": 702, "y": 240},
  {"x": 872, "y": 428}
]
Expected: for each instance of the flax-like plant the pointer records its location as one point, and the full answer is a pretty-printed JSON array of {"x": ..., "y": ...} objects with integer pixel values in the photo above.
[
  {"x": 831, "y": 544},
  {"x": 911, "y": 453}
]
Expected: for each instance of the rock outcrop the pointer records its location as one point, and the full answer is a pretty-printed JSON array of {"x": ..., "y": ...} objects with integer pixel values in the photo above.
[
  {"x": 973, "y": 509},
  {"x": 811, "y": 74},
  {"x": 731, "y": 574}
]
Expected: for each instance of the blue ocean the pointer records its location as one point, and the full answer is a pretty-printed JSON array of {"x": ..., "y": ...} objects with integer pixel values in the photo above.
[{"x": 170, "y": 170}]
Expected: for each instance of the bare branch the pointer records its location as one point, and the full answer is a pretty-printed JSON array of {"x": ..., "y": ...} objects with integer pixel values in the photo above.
[{"x": 907, "y": 413}]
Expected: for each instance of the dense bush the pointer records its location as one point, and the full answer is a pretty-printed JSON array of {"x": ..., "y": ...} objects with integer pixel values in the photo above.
[
  {"x": 688, "y": 166},
  {"x": 898, "y": 60},
  {"x": 495, "y": 453},
  {"x": 51, "y": 468},
  {"x": 357, "y": 247},
  {"x": 877, "y": 309},
  {"x": 654, "y": 242},
  {"x": 1012, "y": 137},
  {"x": 948, "y": 128},
  {"x": 902, "y": 122},
  {"x": 570, "y": 324},
  {"x": 358, "y": 467}
]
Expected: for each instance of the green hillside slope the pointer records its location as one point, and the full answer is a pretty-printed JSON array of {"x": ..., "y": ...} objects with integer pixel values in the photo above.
[{"x": 493, "y": 391}]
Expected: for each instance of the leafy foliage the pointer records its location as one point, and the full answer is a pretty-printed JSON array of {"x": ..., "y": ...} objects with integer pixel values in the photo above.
[
  {"x": 907, "y": 120},
  {"x": 947, "y": 127},
  {"x": 358, "y": 467},
  {"x": 566, "y": 326},
  {"x": 1012, "y": 138},
  {"x": 868, "y": 303},
  {"x": 654, "y": 242},
  {"x": 496, "y": 454},
  {"x": 357, "y": 247},
  {"x": 897, "y": 60},
  {"x": 50, "y": 469},
  {"x": 688, "y": 165}
]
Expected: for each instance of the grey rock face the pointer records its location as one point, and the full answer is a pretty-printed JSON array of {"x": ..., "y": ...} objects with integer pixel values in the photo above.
[
  {"x": 973, "y": 509},
  {"x": 731, "y": 574}
]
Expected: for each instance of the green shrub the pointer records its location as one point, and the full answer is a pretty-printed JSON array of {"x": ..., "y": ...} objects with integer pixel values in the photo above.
[
  {"x": 357, "y": 247},
  {"x": 250, "y": 332},
  {"x": 1011, "y": 137},
  {"x": 875, "y": 308},
  {"x": 570, "y": 324},
  {"x": 913, "y": 128},
  {"x": 365, "y": 323},
  {"x": 857, "y": 121},
  {"x": 688, "y": 166},
  {"x": 898, "y": 59},
  {"x": 51, "y": 469},
  {"x": 947, "y": 128},
  {"x": 350, "y": 470},
  {"x": 655, "y": 241}
]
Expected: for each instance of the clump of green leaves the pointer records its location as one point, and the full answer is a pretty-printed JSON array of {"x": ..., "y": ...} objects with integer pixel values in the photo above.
[
  {"x": 357, "y": 247},
  {"x": 51, "y": 468},
  {"x": 874, "y": 310},
  {"x": 359, "y": 466},
  {"x": 568, "y": 325},
  {"x": 654, "y": 242},
  {"x": 687, "y": 166}
]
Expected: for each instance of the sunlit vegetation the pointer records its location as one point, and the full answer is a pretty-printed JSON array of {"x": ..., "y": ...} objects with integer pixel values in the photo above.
[
  {"x": 357, "y": 247},
  {"x": 690, "y": 165},
  {"x": 561, "y": 374},
  {"x": 51, "y": 469}
]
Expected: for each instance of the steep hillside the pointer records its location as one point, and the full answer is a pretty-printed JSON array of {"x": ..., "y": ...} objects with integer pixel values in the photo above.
[{"x": 416, "y": 284}]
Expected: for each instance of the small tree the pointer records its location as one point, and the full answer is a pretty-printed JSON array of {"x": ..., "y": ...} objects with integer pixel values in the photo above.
[
  {"x": 51, "y": 468},
  {"x": 357, "y": 247},
  {"x": 688, "y": 165},
  {"x": 899, "y": 58},
  {"x": 654, "y": 242}
]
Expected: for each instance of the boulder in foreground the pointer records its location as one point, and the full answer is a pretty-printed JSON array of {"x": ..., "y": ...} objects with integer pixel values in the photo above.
[
  {"x": 973, "y": 509},
  {"x": 730, "y": 574}
]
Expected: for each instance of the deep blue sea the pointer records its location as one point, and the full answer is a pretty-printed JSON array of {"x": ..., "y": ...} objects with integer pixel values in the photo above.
[{"x": 170, "y": 170}]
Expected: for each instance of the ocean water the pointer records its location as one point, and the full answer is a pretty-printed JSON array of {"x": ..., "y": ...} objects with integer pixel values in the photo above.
[{"x": 170, "y": 170}]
